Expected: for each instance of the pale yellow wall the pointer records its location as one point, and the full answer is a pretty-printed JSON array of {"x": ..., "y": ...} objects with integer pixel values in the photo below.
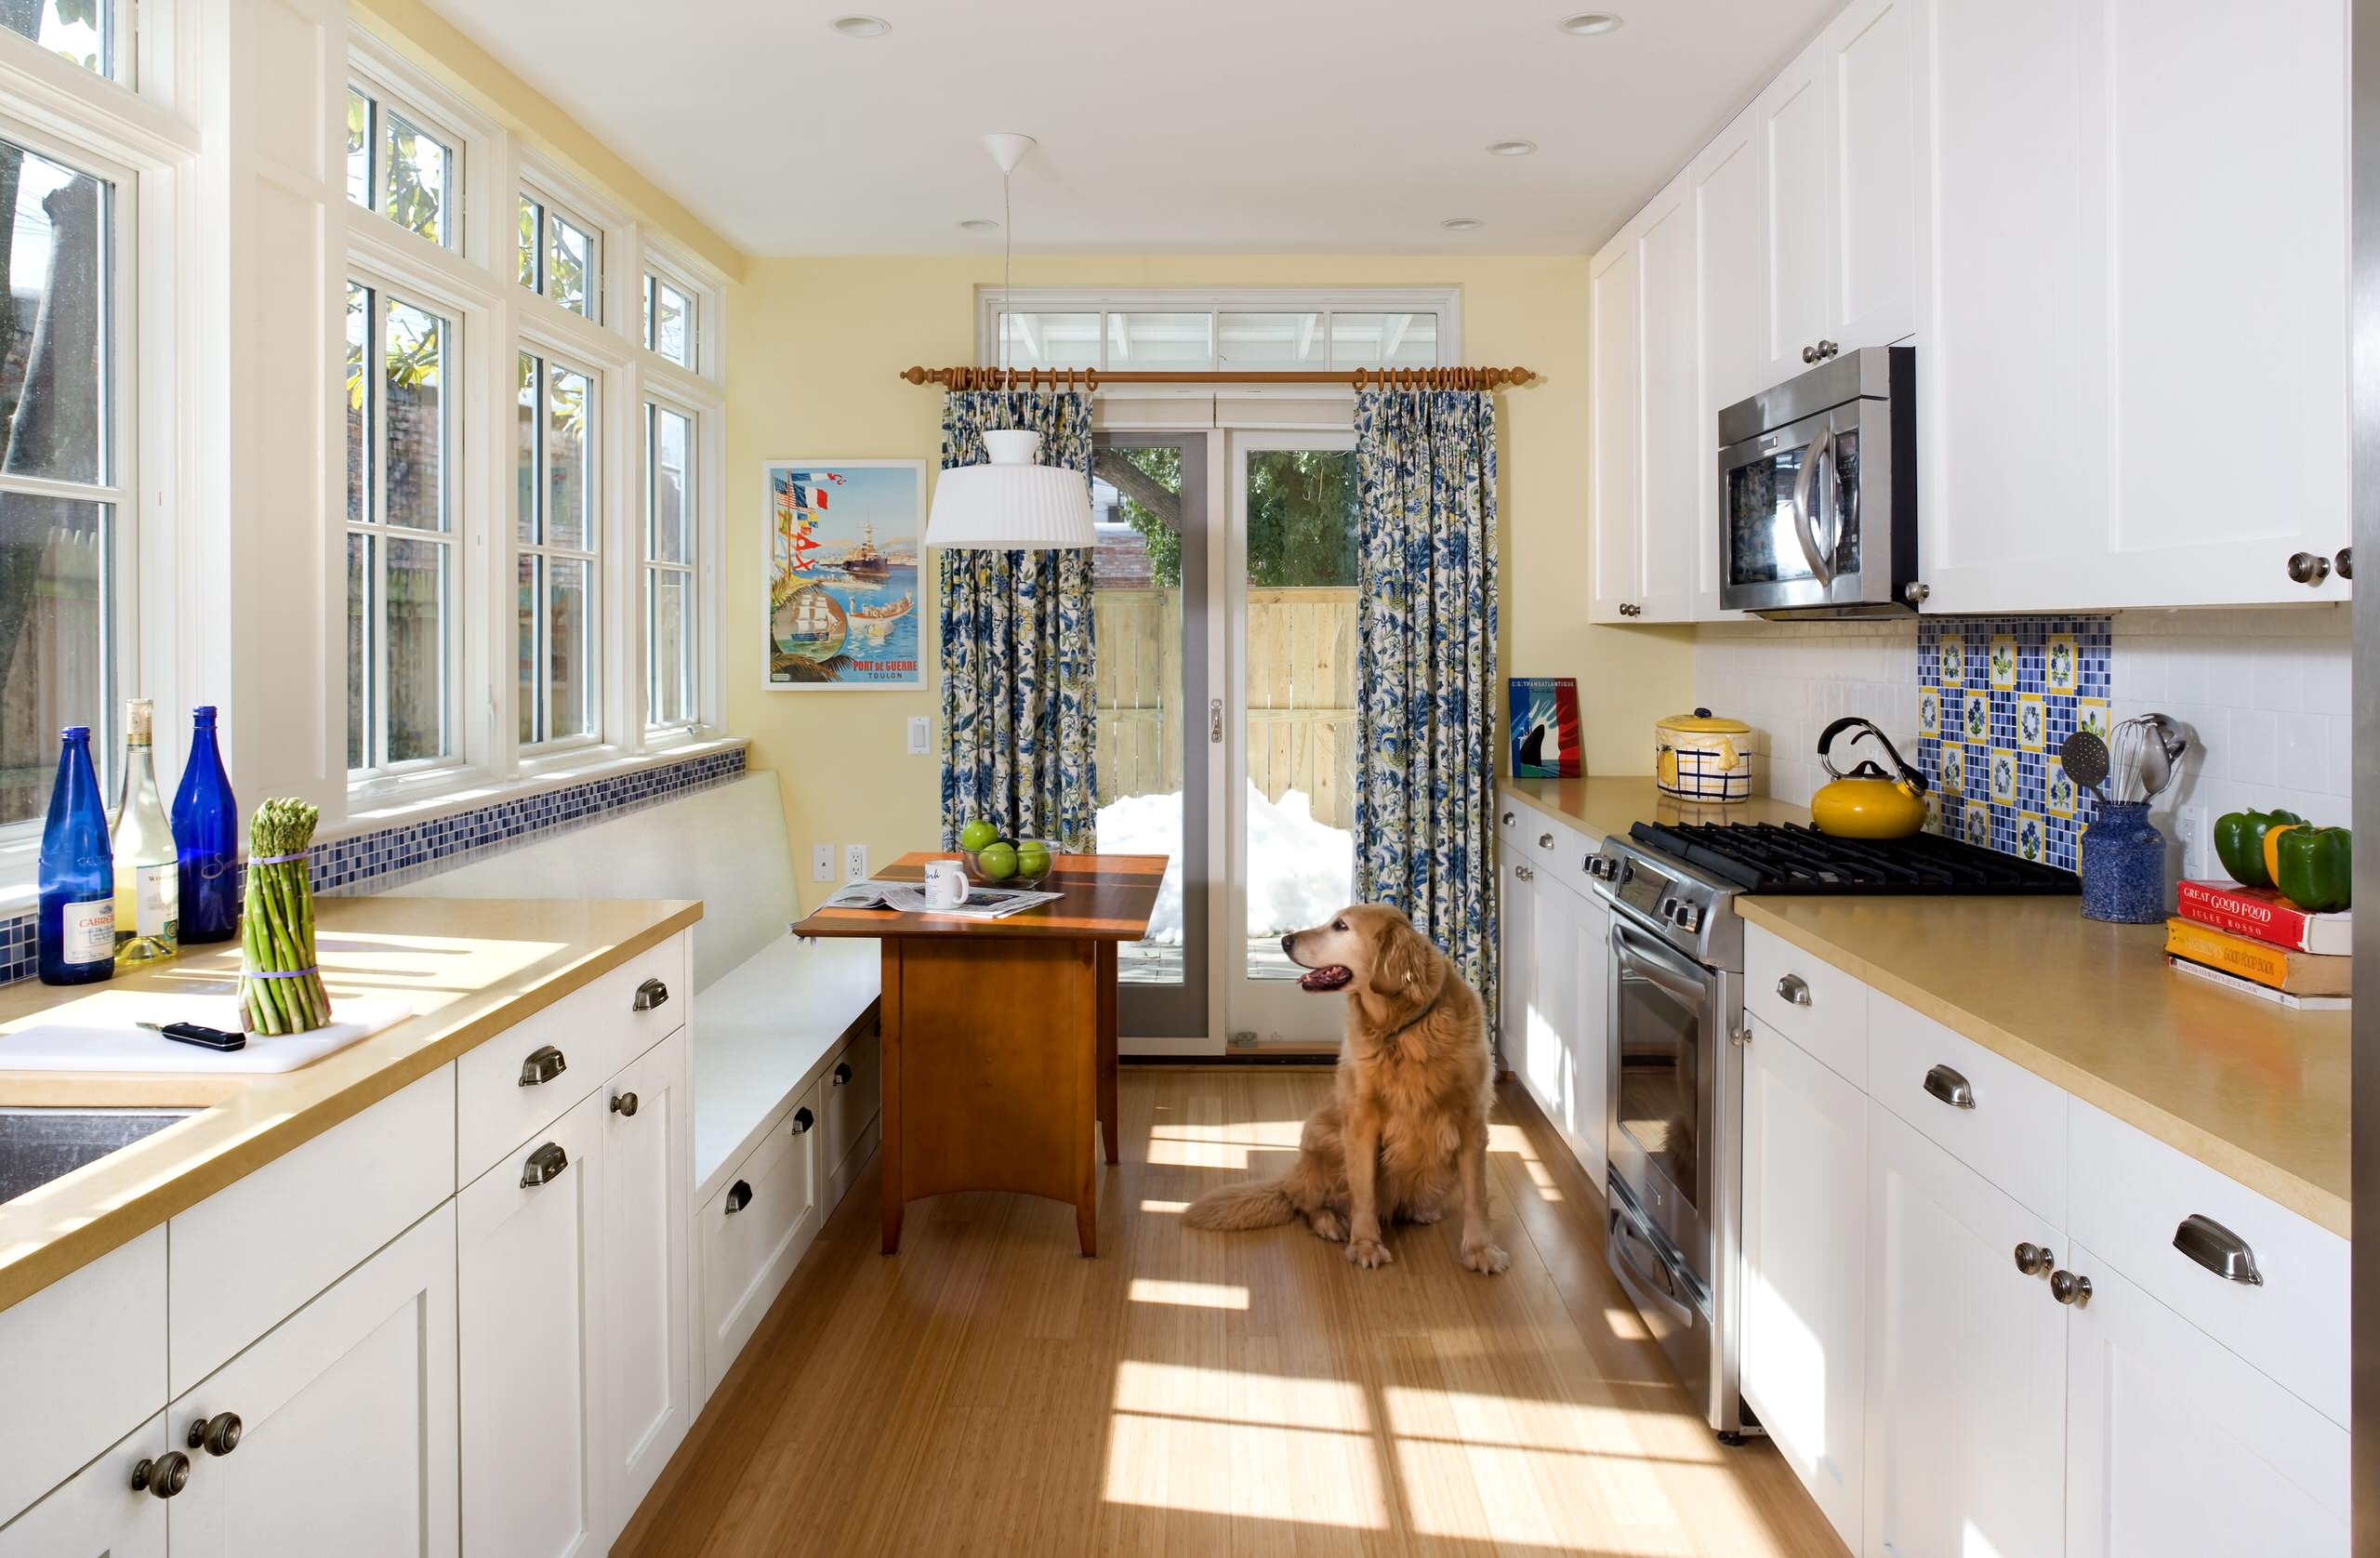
[{"x": 815, "y": 344}]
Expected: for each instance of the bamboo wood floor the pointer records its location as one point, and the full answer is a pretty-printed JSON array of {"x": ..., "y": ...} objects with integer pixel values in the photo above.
[{"x": 988, "y": 1390}]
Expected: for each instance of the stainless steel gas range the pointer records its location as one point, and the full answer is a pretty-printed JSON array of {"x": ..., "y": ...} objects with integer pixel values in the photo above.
[{"x": 1674, "y": 1133}]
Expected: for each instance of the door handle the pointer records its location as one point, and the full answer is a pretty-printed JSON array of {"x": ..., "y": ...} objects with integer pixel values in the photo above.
[
  {"x": 1949, "y": 1087},
  {"x": 1215, "y": 721},
  {"x": 2218, "y": 1249},
  {"x": 543, "y": 1065},
  {"x": 650, "y": 994},
  {"x": 544, "y": 1166}
]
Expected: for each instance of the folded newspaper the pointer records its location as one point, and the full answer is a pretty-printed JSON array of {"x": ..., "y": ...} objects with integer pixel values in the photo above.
[{"x": 982, "y": 903}]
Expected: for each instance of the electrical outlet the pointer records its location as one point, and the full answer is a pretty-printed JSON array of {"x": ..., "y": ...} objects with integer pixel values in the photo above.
[
  {"x": 2197, "y": 845},
  {"x": 854, "y": 863},
  {"x": 822, "y": 862},
  {"x": 921, "y": 732}
]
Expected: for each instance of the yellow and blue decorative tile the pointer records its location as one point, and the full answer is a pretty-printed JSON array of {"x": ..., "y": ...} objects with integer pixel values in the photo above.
[
  {"x": 2061, "y": 790},
  {"x": 2002, "y": 663},
  {"x": 1954, "y": 767},
  {"x": 2061, "y": 663},
  {"x": 1978, "y": 825},
  {"x": 2032, "y": 836},
  {"x": 1933, "y": 811},
  {"x": 1950, "y": 660},
  {"x": 1976, "y": 718},
  {"x": 2091, "y": 714},
  {"x": 2032, "y": 721},
  {"x": 2003, "y": 777},
  {"x": 1929, "y": 712}
]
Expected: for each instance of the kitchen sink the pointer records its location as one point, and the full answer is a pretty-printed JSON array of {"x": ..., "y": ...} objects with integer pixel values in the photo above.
[{"x": 39, "y": 1145}]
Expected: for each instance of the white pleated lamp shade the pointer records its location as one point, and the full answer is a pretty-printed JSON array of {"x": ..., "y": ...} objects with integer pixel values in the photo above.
[{"x": 1011, "y": 504}]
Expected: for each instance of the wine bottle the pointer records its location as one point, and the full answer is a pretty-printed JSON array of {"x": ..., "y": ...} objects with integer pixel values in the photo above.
[
  {"x": 76, "y": 928},
  {"x": 206, "y": 838},
  {"x": 147, "y": 876}
]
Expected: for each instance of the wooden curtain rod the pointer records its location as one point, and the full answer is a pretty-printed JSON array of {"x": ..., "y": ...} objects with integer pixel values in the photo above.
[{"x": 1093, "y": 379}]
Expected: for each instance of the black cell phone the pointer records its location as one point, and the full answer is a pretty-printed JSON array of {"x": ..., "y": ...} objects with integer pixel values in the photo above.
[{"x": 205, "y": 1038}]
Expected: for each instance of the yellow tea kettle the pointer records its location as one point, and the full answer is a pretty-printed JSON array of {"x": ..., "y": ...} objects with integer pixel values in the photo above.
[{"x": 1868, "y": 802}]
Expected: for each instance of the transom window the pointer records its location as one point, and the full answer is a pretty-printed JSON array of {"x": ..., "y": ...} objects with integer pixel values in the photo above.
[
  {"x": 1260, "y": 340},
  {"x": 668, "y": 320},
  {"x": 401, "y": 532},
  {"x": 65, "y": 576},
  {"x": 83, "y": 30},
  {"x": 669, "y": 656},
  {"x": 562, "y": 256},
  {"x": 558, "y": 529},
  {"x": 402, "y": 168}
]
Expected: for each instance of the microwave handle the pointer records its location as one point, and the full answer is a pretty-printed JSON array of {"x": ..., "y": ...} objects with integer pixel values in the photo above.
[{"x": 1808, "y": 492}]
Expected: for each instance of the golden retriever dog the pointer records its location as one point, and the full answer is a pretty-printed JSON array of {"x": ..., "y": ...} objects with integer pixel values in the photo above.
[{"x": 1408, "y": 1124}]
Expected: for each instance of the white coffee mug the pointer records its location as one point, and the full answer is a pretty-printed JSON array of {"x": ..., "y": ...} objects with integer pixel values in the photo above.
[{"x": 946, "y": 884}]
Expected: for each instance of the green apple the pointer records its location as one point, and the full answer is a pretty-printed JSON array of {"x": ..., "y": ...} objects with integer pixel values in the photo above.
[
  {"x": 977, "y": 835},
  {"x": 1032, "y": 860},
  {"x": 997, "y": 862}
]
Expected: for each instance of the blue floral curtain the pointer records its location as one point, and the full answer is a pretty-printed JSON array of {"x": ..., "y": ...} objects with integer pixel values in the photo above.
[
  {"x": 1018, "y": 714},
  {"x": 1425, "y": 668}
]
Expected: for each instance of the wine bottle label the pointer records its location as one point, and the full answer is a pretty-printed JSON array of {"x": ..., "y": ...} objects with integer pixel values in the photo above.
[
  {"x": 157, "y": 891},
  {"x": 90, "y": 931}
]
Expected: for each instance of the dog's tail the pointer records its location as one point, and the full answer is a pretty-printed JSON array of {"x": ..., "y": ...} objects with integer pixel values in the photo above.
[{"x": 1262, "y": 1204}]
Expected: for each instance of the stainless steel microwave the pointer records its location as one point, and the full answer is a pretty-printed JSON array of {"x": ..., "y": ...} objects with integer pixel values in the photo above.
[{"x": 1817, "y": 491}]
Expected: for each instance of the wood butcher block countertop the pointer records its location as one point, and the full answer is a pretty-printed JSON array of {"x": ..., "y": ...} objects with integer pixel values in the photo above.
[
  {"x": 471, "y": 968},
  {"x": 2251, "y": 1090}
]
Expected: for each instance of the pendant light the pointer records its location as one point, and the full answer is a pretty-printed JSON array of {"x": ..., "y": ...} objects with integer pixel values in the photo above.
[{"x": 1009, "y": 504}]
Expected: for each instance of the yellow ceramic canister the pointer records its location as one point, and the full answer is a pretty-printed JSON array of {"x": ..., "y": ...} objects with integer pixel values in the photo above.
[{"x": 1698, "y": 757}]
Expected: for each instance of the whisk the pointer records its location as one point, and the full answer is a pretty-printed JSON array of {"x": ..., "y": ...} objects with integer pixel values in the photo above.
[{"x": 2126, "y": 752}]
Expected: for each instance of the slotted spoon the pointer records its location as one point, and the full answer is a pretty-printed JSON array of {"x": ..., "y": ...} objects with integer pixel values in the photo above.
[{"x": 2085, "y": 760}]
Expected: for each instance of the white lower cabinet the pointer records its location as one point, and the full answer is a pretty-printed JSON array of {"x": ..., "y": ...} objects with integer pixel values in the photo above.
[
  {"x": 346, "y": 1421},
  {"x": 2178, "y": 1448},
  {"x": 1555, "y": 984},
  {"x": 1805, "y": 1293},
  {"x": 1589, "y": 1054},
  {"x": 528, "y": 1262},
  {"x": 98, "y": 1512},
  {"x": 1966, "y": 1361},
  {"x": 646, "y": 1273}
]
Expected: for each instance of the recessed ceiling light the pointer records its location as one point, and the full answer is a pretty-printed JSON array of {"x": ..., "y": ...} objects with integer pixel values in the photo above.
[
  {"x": 1511, "y": 148},
  {"x": 979, "y": 224},
  {"x": 861, "y": 26},
  {"x": 1462, "y": 224},
  {"x": 1587, "y": 26}
]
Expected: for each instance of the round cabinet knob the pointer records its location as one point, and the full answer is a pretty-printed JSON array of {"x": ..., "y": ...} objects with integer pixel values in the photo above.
[
  {"x": 1827, "y": 351},
  {"x": 1508, "y": 819},
  {"x": 1915, "y": 592},
  {"x": 2034, "y": 1260},
  {"x": 1809, "y": 354},
  {"x": 842, "y": 1073},
  {"x": 164, "y": 1476},
  {"x": 802, "y": 1120},
  {"x": 2068, "y": 1288},
  {"x": 624, "y": 1104},
  {"x": 1545, "y": 840},
  {"x": 2308, "y": 568},
  {"x": 2344, "y": 562},
  {"x": 217, "y": 1436}
]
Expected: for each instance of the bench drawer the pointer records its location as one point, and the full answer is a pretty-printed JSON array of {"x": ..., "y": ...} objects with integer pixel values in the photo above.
[
  {"x": 1989, "y": 1113},
  {"x": 2132, "y": 1195},
  {"x": 754, "y": 1232},
  {"x": 85, "y": 1362},
  {"x": 594, "y": 1031},
  {"x": 852, "y": 1095},
  {"x": 1810, "y": 1001}
]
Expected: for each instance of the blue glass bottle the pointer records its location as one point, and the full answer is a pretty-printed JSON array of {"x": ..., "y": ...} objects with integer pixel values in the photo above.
[
  {"x": 76, "y": 930},
  {"x": 206, "y": 838}
]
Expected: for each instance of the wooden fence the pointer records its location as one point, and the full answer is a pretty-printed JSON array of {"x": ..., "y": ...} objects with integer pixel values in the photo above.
[{"x": 1300, "y": 695}]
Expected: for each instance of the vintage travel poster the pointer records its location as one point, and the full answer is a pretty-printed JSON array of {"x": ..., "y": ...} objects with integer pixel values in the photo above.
[{"x": 845, "y": 541}]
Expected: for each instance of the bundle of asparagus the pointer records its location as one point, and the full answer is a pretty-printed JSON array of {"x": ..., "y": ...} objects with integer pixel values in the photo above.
[{"x": 279, "y": 990}]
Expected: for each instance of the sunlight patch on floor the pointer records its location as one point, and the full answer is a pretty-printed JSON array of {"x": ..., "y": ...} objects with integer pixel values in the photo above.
[
  {"x": 1189, "y": 1295},
  {"x": 1234, "y": 1397},
  {"x": 1169, "y": 1208},
  {"x": 1169, "y": 1463},
  {"x": 1511, "y": 1139},
  {"x": 1524, "y": 1421},
  {"x": 1627, "y": 1325}
]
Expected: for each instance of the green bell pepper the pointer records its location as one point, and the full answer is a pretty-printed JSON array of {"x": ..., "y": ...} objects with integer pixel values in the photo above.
[
  {"x": 2317, "y": 868},
  {"x": 2240, "y": 843}
]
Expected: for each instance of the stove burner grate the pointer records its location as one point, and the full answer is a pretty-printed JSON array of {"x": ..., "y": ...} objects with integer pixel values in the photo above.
[{"x": 1781, "y": 858}]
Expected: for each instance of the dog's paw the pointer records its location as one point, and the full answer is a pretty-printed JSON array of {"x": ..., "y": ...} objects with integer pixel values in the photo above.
[
  {"x": 1368, "y": 1253},
  {"x": 1328, "y": 1224},
  {"x": 1486, "y": 1258}
]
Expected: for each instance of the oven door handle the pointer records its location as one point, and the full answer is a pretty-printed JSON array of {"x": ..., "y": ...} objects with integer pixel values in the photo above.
[
  {"x": 1647, "y": 959},
  {"x": 1809, "y": 493},
  {"x": 1648, "y": 1291}
]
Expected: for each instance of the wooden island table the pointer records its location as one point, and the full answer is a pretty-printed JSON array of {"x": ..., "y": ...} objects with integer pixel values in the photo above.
[{"x": 999, "y": 1035}]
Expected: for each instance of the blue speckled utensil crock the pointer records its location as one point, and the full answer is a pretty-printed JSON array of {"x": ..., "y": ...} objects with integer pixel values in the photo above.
[{"x": 2123, "y": 865}]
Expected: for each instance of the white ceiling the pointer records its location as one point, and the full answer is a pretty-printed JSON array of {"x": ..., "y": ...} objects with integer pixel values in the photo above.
[{"x": 1219, "y": 126}]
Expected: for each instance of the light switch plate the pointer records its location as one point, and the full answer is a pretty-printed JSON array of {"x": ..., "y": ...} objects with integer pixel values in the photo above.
[
  {"x": 921, "y": 732},
  {"x": 822, "y": 862},
  {"x": 854, "y": 863}
]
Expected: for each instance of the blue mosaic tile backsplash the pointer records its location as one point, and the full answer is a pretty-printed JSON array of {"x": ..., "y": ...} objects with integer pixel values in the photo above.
[
  {"x": 359, "y": 861},
  {"x": 1996, "y": 697}
]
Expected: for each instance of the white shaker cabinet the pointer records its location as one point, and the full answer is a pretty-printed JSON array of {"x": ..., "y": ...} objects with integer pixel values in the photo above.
[
  {"x": 1616, "y": 343},
  {"x": 1805, "y": 1269},
  {"x": 1793, "y": 121},
  {"x": 1589, "y": 1055},
  {"x": 2178, "y": 1448},
  {"x": 346, "y": 1414},
  {"x": 1650, "y": 431},
  {"x": 646, "y": 1270},
  {"x": 99, "y": 1512},
  {"x": 1966, "y": 1361},
  {"x": 1732, "y": 278},
  {"x": 1553, "y": 995}
]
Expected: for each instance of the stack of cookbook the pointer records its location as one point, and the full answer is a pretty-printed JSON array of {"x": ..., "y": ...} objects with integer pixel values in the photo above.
[{"x": 2254, "y": 940}]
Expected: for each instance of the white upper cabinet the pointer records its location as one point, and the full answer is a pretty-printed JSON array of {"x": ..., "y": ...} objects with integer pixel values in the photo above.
[
  {"x": 1731, "y": 272},
  {"x": 1651, "y": 429},
  {"x": 1795, "y": 120},
  {"x": 1871, "y": 56},
  {"x": 1616, "y": 334},
  {"x": 2170, "y": 184}
]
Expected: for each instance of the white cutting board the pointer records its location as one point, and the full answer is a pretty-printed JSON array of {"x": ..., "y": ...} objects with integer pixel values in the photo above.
[{"x": 98, "y": 1033}]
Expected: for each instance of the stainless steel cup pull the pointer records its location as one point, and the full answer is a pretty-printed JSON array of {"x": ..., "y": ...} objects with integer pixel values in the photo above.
[
  {"x": 2068, "y": 1288},
  {"x": 739, "y": 1196},
  {"x": 1545, "y": 840},
  {"x": 545, "y": 1064},
  {"x": 1949, "y": 1087},
  {"x": 2034, "y": 1260},
  {"x": 544, "y": 1166},
  {"x": 842, "y": 1074},
  {"x": 802, "y": 1120},
  {"x": 1508, "y": 819},
  {"x": 2218, "y": 1249},
  {"x": 1793, "y": 989},
  {"x": 217, "y": 1436},
  {"x": 650, "y": 994}
]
